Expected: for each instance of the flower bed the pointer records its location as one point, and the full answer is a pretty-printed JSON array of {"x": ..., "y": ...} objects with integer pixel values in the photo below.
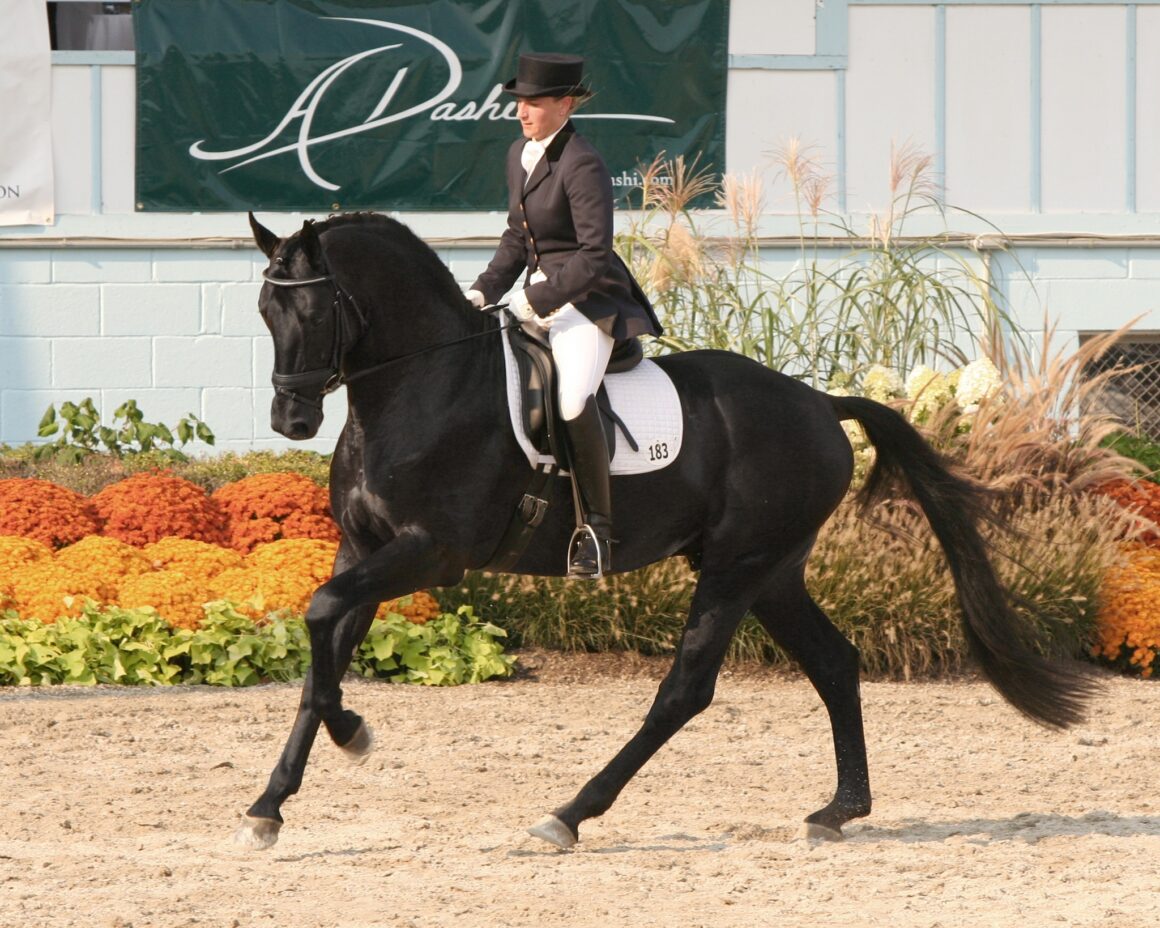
[{"x": 156, "y": 555}]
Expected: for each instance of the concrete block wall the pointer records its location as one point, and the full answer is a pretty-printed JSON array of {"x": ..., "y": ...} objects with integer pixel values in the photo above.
[{"x": 179, "y": 331}]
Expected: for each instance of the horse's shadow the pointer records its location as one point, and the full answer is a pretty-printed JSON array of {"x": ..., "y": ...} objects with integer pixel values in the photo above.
[{"x": 1028, "y": 827}]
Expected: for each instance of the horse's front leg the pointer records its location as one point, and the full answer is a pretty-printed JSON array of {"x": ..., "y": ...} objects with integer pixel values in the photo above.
[
  {"x": 340, "y": 613},
  {"x": 263, "y": 819}
]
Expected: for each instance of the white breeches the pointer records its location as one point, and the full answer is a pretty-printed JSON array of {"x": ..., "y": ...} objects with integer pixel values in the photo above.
[{"x": 581, "y": 351}]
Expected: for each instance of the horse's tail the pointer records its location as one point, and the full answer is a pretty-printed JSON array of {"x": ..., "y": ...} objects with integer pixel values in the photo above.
[{"x": 1000, "y": 640}]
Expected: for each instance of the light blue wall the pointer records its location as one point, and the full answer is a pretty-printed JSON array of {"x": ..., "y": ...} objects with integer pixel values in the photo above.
[{"x": 1043, "y": 117}]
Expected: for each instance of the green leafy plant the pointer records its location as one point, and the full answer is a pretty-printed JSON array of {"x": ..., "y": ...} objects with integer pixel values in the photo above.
[
  {"x": 136, "y": 646},
  {"x": 77, "y": 432},
  {"x": 447, "y": 650},
  {"x": 1140, "y": 448}
]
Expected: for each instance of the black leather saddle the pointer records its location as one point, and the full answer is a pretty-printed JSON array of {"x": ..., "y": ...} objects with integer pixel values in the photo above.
[{"x": 537, "y": 371}]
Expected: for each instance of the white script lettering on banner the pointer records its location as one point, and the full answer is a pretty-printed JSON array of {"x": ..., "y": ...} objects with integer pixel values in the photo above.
[
  {"x": 437, "y": 107},
  {"x": 26, "y": 191}
]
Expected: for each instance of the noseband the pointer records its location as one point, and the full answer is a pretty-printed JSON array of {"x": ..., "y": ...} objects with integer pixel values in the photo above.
[{"x": 323, "y": 379}]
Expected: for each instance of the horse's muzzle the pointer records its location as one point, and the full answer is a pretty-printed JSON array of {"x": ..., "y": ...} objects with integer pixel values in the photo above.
[{"x": 293, "y": 418}]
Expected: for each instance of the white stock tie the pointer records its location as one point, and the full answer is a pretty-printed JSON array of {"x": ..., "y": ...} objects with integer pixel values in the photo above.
[{"x": 530, "y": 157}]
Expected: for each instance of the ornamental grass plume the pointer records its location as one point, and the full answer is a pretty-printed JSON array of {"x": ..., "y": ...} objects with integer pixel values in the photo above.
[
  {"x": 270, "y": 507},
  {"x": 1129, "y": 621},
  {"x": 1039, "y": 431},
  {"x": 147, "y": 507},
  {"x": 38, "y": 509}
]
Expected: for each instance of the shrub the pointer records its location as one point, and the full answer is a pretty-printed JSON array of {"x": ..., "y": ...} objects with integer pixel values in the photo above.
[
  {"x": 47, "y": 591},
  {"x": 107, "y": 557},
  {"x": 147, "y": 507},
  {"x": 176, "y": 597},
  {"x": 77, "y": 433},
  {"x": 1140, "y": 498},
  {"x": 45, "y": 512},
  {"x": 135, "y": 646},
  {"x": 1129, "y": 626},
  {"x": 269, "y": 507},
  {"x": 197, "y": 559},
  {"x": 215, "y": 472}
]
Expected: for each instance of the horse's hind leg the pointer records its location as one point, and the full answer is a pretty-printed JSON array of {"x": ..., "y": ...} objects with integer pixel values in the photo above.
[
  {"x": 800, "y": 627},
  {"x": 718, "y": 606}
]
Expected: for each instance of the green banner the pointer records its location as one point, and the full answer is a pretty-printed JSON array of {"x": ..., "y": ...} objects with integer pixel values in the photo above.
[{"x": 322, "y": 105}]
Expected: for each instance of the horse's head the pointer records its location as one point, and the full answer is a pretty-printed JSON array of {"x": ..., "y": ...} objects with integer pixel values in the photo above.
[{"x": 313, "y": 323}]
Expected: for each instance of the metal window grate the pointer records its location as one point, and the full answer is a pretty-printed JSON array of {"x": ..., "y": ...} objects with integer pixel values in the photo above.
[{"x": 1133, "y": 397}]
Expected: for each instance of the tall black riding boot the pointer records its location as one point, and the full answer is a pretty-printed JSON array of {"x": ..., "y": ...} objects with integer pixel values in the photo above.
[{"x": 590, "y": 553}]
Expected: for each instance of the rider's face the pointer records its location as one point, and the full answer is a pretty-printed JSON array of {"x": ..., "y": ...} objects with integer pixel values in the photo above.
[{"x": 541, "y": 116}]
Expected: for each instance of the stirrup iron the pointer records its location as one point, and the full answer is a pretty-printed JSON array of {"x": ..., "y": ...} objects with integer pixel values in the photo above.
[{"x": 585, "y": 533}]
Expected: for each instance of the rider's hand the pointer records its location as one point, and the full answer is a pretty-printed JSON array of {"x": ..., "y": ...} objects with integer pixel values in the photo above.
[{"x": 475, "y": 298}]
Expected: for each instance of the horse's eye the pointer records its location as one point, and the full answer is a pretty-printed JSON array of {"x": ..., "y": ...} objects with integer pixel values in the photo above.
[{"x": 280, "y": 261}]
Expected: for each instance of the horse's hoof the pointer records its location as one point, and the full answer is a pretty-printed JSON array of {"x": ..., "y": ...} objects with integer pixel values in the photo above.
[
  {"x": 257, "y": 833},
  {"x": 552, "y": 830},
  {"x": 359, "y": 748},
  {"x": 814, "y": 832}
]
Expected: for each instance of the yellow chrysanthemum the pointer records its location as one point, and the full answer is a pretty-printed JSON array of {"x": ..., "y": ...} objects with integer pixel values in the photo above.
[
  {"x": 107, "y": 557},
  {"x": 193, "y": 558},
  {"x": 176, "y": 597},
  {"x": 46, "y": 591}
]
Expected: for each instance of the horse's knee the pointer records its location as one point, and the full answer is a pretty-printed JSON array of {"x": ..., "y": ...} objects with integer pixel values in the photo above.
[{"x": 326, "y": 607}]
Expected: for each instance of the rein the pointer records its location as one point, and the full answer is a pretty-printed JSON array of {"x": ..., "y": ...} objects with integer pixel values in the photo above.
[{"x": 330, "y": 378}]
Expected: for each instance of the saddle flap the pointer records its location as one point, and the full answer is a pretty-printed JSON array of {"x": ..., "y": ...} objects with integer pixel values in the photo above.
[{"x": 537, "y": 374}]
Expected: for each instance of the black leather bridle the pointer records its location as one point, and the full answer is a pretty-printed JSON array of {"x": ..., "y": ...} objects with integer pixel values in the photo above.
[
  {"x": 323, "y": 379},
  {"x": 328, "y": 379}
]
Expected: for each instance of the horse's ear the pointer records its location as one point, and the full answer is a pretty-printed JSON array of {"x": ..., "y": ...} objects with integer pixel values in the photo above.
[
  {"x": 266, "y": 240},
  {"x": 311, "y": 246}
]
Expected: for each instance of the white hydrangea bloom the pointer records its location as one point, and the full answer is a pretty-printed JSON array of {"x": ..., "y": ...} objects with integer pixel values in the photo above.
[
  {"x": 929, "y": 391},
  {"x": 918, "y": 380},
  {"x": 882, "y": 383},
  {"x": 977, "y": 381}
]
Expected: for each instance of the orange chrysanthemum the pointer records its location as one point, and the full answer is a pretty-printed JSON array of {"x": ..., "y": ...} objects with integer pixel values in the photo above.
[
  {"x": 38, "y": 509},
  {"x": 269, "y": 507},
  {"x": 145, "y": 508},
  {"x": 1129, "y": 620},
  {"x": 109, "y": 558}
]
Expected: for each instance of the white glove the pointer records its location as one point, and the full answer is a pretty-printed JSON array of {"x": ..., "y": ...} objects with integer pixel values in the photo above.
[
  {"x": 519, "y": 307},
  {"x": 475, "y": 298}
]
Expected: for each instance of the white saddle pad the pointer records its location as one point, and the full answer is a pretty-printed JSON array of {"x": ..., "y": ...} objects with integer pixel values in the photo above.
[{"x": 643, "y": 397}]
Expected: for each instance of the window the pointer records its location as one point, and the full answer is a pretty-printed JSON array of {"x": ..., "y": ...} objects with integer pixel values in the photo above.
[{"x": 90, "y": 26}]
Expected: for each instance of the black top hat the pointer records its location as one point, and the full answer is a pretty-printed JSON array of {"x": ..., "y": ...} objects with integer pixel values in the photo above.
[{"x": 548, "y": 75}]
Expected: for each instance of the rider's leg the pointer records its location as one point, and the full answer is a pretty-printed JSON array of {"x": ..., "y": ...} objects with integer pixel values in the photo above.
[{"x": 582, "y": 351}]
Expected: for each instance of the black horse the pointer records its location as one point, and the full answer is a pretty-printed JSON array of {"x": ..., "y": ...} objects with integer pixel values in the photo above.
[{"x": 426, "y": 474}]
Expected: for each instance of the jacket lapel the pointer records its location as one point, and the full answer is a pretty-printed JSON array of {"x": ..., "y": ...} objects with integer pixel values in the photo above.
[{"x": 546, "y": 165}]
